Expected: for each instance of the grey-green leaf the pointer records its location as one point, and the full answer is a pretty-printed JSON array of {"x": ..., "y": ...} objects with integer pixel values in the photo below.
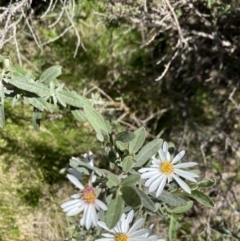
[
  {"x": 130, "y": 196},
  {"x": 76, "y": 163},
  {"x": 50, "y": 74},
  {"x": 206, "y": 183},
  {"x": 146, "y": 200},
  {"x": 114, "y": 212},
  {"x": 79, "y": 115},
  {"x": 121, "y": 146},
  {"x": 130, "y": 180},
  {"x": 73, "y": 99},
  {"x": 30, "y": 86},
  {"x": 148, "y": 151},
  {"x": 171, "y": 199},
  {"x": 100, "y": 136},
  {"x": 125, "y": 136},
  {"x": 2, "y": 116},
  {"x": 127, "y": 163},
  {"x": 202, "y": 198},
  {"x": 184, "y": 208},
  {"x": 95, "y": 119},
  {"x": 172, "y": 231},
  {"x": 138, "y": 141},
  {"x": 113, "y": 180},
  {"x": 39, "y": 103}
]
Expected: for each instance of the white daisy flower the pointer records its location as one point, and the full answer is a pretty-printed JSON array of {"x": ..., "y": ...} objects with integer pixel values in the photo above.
[
  {"x": 123, "y": 232},
  {"x": 165, "y": 169},
  {"x": 88, "y": 158},
  {"x": 152, "y": 237},
  {"x": 86, "y": 201}
]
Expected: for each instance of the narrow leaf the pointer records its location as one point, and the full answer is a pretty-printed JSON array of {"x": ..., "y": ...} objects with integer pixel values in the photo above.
[
  {"x": 79, "y": 115},
  {"x": 121, "y": 146},
  {"x": 171, "y": 199},
  {"x": 130, "y": 180},
  {"x": 184, "y": 208},
  {"x": 148, "y": 151},
  {"x": 50, "y": 74},
  {"x": 172, "y": 231},
  {"x": 95, "y": 119},
  {"x": 206, "y": 183},
  {"x": 202, "y": 198},
  {"x": 76, "y": 163},
  {"x": 100, "y": 136},
  {"x": 113, "y": 180},
  {"x": 130, "y": 196},
  {"x": 73, "y": 99},
  {"x": 138, "y": 141},
  {"x": 125, "y": 136},
  {"x": 146, "y": 200},
  {"x": 2, "y": 116},
  {"x": 33, "y": 87},
  {"x": 114, "y": 212},
  {"x": 127, "y": 163},
  {"x": 39, "y": 103}
]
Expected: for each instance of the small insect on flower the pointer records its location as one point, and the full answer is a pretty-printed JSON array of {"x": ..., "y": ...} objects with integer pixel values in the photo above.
[
  {"x": 123, "y": 232},
  {"x": 165, "y": 169},
  {"x": 86, "y": 201}
]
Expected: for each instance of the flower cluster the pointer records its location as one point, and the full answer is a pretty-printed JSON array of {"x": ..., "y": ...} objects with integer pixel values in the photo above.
[
  {"x": 123, "y": 232},
  {"x": 164, "y": 169},
  {"x": 86, "y": 200}
]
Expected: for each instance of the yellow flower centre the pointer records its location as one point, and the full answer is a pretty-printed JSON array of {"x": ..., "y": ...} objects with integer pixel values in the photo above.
[
  {"x": 166, "y": 167},
  {"x": 88, "y": 195},
  {"x": 121, "y": 237}
]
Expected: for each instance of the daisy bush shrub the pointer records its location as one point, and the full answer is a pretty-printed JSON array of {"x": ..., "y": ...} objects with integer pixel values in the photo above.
[{"x": 140, "y": 178}]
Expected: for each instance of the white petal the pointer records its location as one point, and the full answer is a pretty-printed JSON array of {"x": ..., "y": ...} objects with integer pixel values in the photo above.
[
  {"x": 128, "y": 221},
  {"x": 74, "y": 211},
  {"x": 155, "y": 160},
  {"x": 185, "y": 173},
  {"x": 95, "y": 218},
  {"x": 157, "y": 182},
  {"x": 75, "y": 181},
  {"x": 77, "y": 205},
  {"x": 105, "y": 239},
  {"x": 161, "y": 186},
  {"x": 103, "y": 225},
  {"x": 183, "y": 185},
  {"x": 136, "y": 226},
  {"x": 146, "y": 169},
  {"x": 185, "y": 165},
  {"x": 165, "y": 146},
  {"x": 142, "y": 238},
  {"x": 89, "y": 216},
  {"x": 138, "y": 233},
  {"x": 92, "y": 178},
  {"x": 168, "y": 156},
  {"x": 162, "y": 154},
  {"x": 152, "y": 179},
  {"x": 100, "y": 204},
  {"x": 107, "y": 235},
  {"x": 153, "y": 237},
  {"x": 76, "y": 196},
  {"x": 147, "y": 175},
  {"x": 70, "y": 203},
  {"x": 178, "y": 157}
]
